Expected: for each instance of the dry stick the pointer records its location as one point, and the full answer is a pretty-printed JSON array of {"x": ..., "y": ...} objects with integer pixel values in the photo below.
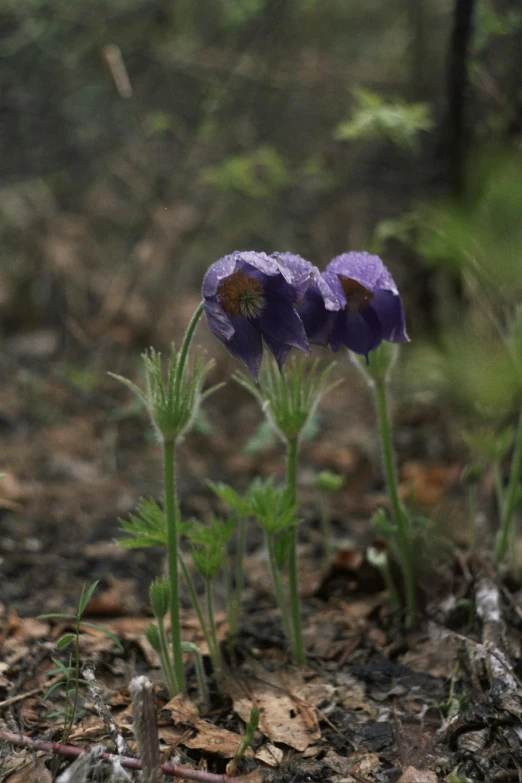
[
  {"x": 69, "y": 751},
  {"x": 146, "y": 728},
  {"x": 33, "y": 692}
]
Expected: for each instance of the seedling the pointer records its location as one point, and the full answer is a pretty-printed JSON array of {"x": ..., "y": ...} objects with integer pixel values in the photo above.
[{"x": 71, "y": 671}]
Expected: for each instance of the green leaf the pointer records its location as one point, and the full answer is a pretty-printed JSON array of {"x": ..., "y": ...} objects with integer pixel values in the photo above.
[
  {"x": 209, "y": 545},
  {"x": 65, "y": 640},
  {"x": 396, "y": 121},
  {"x": 146, "y": 528},
  {"x": 230, "y": 497},
  {"x": 61, "y": 669},
  {"x": 263, "y": 438},
  {"x": 489, "y": 443},
  {"x": 86, "y": 596},
  {"x": 51, "y": 690},
  {"x": 58, "y": 615},
  {"x": 106, "y": 632},
  {"x": 272, "y": 506},
  {"x": 256, "y": 175}
]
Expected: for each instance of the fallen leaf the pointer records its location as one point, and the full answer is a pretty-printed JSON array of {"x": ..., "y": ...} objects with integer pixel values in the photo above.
[
  {"x": 197, "y": 733},
  {"x": 427, "y": 483},
  {"x": 12, "y": 493},
  {"x": 359, "y": 763},
  {"x": 286, "y": 706},
  {"x": 412, "y": 775},
  {"x": 270, "y": 755}
]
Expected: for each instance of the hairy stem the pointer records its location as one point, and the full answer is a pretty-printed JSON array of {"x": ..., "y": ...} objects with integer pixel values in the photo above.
[
  {"x": 186, "y": 345},
  {"x": 172, "y": 517},
  {"x": 280, "y": 594},
  {"x": 196, "y": 603},
  {"x": 295, "y": 609},
  {"x": 324, "y": 515},
  {"x": 399, "y": 513},
  {"x": 214, "y": 650},
  {"x": 510, "y": 501},
  {"x": 166, "y": 664}
]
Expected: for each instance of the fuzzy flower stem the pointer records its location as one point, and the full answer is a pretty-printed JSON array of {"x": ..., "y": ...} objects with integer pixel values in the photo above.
[
  {"x": 186, "y": 345},
  {"x": 472, "y": 510},
  {"x": 166, "y": 663},
  {"x": 195, "y": 600},
  {"x": 172, "y": 517},
  {"x": 278, "y": 587},
  {"x": 214, "y": 650},
  {"x": 241, "y": 539},
  {"x": 510, "y": 501},
  {"x": 401, "y": 518},
  {"x": 324, "y": 512},
  {"x": 291, "y": 478}
]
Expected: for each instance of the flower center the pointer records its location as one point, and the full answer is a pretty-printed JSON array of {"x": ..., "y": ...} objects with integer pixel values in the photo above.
[
  {"x": 241, "y": 294},
  {"x": 357, "y": 296}
]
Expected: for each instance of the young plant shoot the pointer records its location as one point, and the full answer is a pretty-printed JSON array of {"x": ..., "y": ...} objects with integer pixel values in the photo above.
[
  {"x": 327, "y": 483},
  {"x": 172, "y": 402},
  {"x": 289, "y": 399}
]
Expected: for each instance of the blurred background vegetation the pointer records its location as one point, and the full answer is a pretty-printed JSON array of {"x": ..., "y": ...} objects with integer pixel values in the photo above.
[{"x": 143, "y": 139}]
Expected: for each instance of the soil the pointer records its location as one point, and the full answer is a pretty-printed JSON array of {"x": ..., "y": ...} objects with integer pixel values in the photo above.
[{"x": 375, "y": 701}]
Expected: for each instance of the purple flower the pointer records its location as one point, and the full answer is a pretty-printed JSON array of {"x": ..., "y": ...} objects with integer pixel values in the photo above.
[
  {"x": 249, "y": 297},
  {"x": 355, "y": 303}
]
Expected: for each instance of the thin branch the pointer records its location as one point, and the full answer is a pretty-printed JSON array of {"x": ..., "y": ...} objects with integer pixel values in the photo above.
[{"x": 69, "y": 751}]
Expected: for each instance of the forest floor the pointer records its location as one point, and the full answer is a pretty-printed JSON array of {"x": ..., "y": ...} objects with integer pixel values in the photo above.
[{"x": 373, "y": 703}]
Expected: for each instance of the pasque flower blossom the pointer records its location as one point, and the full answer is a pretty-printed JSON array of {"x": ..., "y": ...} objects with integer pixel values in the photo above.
[
  {"x": 250, "y": 297},
  {"x": 354, "y": 303}
]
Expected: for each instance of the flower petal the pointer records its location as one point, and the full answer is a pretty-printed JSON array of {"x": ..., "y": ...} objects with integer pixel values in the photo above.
[
  {"x": 360, "y": 332},
  {"x": 368, "y": 270},
  {"x": 216, "y": 273},
  {"x": 390, "y": 312},
  {"x": 246, "y": 345},
  {"x": 280, "y": 321},
  {"x": 279, "y": 350},
  {"x": 218, "y": 321},
  {"x": 296, "y": 270},
  {"x": 223, "y": 268},
  {"x": 317, "y": 320}
]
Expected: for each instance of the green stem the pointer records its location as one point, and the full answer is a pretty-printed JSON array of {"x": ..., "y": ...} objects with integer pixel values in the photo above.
[
  {"x": 400, "y": 516},
  {"x": 390, "y": 585},
  {"x": 195, "y": 601},
  {"x": 472, "y": 510},
  {"x": 499, "y": 489},
  {"x": 325, "y": 527},
  {"x": 291, "y": 478},
  {"x": 510, "y": 502},
  {"x": 185, "y": 345},
  {"x": 280, "y": 594},
  {"x": 172, "y": 517},
  {"x": 214, "y": 651},
  {"x": 166, "y": 664},
  {"x": 200, "y": 671},
  {"x": 68, "y": 725},
  {"x": 240, "y": 554}
]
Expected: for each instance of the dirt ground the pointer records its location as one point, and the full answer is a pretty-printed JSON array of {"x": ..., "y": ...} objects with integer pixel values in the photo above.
[{"x": 374, "y": 702}]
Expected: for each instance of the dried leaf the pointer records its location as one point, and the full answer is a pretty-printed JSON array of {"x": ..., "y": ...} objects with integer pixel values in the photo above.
[{"x": 287, "y": 712}]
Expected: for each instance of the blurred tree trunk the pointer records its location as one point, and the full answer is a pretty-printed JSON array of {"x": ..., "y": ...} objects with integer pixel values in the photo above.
[
  {"x": 458, "y": 136},
  {"x": 417, "y": 48}
]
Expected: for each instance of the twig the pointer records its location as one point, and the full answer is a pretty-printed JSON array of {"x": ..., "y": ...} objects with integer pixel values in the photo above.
[
  {"x": 487, "y": 599},
  {"x": 104, "y": 712},
  {"x": 69, "y": 751}
]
